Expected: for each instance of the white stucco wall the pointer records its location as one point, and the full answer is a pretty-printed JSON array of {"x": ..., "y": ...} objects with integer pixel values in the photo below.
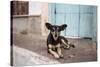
[
  {"x": 34, "y": 8},
  {"x": 40, "y": 8}
]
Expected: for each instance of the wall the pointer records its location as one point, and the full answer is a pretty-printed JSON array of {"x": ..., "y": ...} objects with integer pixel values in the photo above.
[
  {"x": 35, "y": 21},
  {"x": 19, "y": 24},
  {"x": 27, "y": 24},
  {"x": 40, "y": 8},
  {"x": 44, "y": 18}
]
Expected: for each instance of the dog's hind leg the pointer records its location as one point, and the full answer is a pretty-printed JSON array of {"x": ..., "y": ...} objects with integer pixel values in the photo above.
[{"x": 65, "y": 44}]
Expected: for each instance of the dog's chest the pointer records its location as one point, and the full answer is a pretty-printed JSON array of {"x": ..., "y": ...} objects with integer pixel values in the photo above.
[{"x": 54, "y": 47}]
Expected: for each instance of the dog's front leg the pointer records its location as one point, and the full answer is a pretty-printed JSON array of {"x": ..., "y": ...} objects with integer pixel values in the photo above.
[
  {"x": 59, "y": 51},
  {"x": 67, "y": 44},
  {"x": 53, "y": 52}
]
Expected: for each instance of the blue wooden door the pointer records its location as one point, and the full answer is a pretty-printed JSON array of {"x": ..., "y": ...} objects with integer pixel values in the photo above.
[{"x": 79, "y": 19}]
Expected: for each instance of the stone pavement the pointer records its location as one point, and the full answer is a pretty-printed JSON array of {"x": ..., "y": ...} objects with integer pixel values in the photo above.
[
  {"x": 31, "y": 49},
  {"x": 25, "y": 57}
]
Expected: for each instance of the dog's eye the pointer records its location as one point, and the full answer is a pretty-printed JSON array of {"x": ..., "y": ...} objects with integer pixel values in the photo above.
[
  {"x": 52, "y": 29},
  {"x": 58, "y": 29}
]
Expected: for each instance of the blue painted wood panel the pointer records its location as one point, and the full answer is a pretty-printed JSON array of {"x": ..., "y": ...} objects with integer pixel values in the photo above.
[
  {"x": 60, "y": 8},
  {"x": 74, "y": 23},
  {"x": 60, "y": 15},
  {"x": 86, "y": 9},
  {"x": 60, "y": 20},
  {"x": 86, "y": 25},
  {"x": 68, "y": 22},
  {"x": 68, "y": 14},
  {"x": 86, "y": 21},
  {"x": 94, "y": 25},
  {"x": 51, "y": 13},
  {"x": 74, "y": 9}
]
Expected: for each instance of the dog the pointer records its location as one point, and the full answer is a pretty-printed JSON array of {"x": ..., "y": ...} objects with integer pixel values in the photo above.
[{"x": 54, "y": 40}]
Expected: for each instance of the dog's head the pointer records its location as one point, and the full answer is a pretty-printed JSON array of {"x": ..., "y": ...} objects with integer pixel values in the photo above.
[{"x": 55, "y": 29}]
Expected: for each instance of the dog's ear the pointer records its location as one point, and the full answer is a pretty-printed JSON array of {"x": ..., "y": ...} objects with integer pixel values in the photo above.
[
  {"x": 62, "y": 27},
  {"x": 48, "y": 25}
]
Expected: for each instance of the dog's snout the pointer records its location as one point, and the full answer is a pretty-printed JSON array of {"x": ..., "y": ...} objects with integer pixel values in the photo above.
[{"x": 55, "y": 35}]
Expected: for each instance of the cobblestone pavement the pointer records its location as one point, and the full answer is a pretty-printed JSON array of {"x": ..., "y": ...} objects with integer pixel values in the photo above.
[{"x": 31, "y": 50}]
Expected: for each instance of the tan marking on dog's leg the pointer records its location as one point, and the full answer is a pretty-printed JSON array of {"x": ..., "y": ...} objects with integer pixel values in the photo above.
[
  {"x": 53, "y": 52},
  {"x": 59, "y": 50},
  {"x": 67, "y": 44}
]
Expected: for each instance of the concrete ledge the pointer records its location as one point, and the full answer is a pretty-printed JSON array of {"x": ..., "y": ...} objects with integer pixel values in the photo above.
[
  {"x": 19, "y": 16},
  {"x": 27, "y": 23}
]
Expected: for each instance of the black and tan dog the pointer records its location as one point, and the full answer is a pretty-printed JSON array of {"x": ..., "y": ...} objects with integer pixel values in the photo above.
[{"x": 54, "y": 40}]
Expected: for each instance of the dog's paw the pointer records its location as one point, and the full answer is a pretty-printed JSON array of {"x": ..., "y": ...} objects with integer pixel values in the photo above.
[
  {"x": 57, "y": 56},
  {"x": 61, "y": 56}
]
